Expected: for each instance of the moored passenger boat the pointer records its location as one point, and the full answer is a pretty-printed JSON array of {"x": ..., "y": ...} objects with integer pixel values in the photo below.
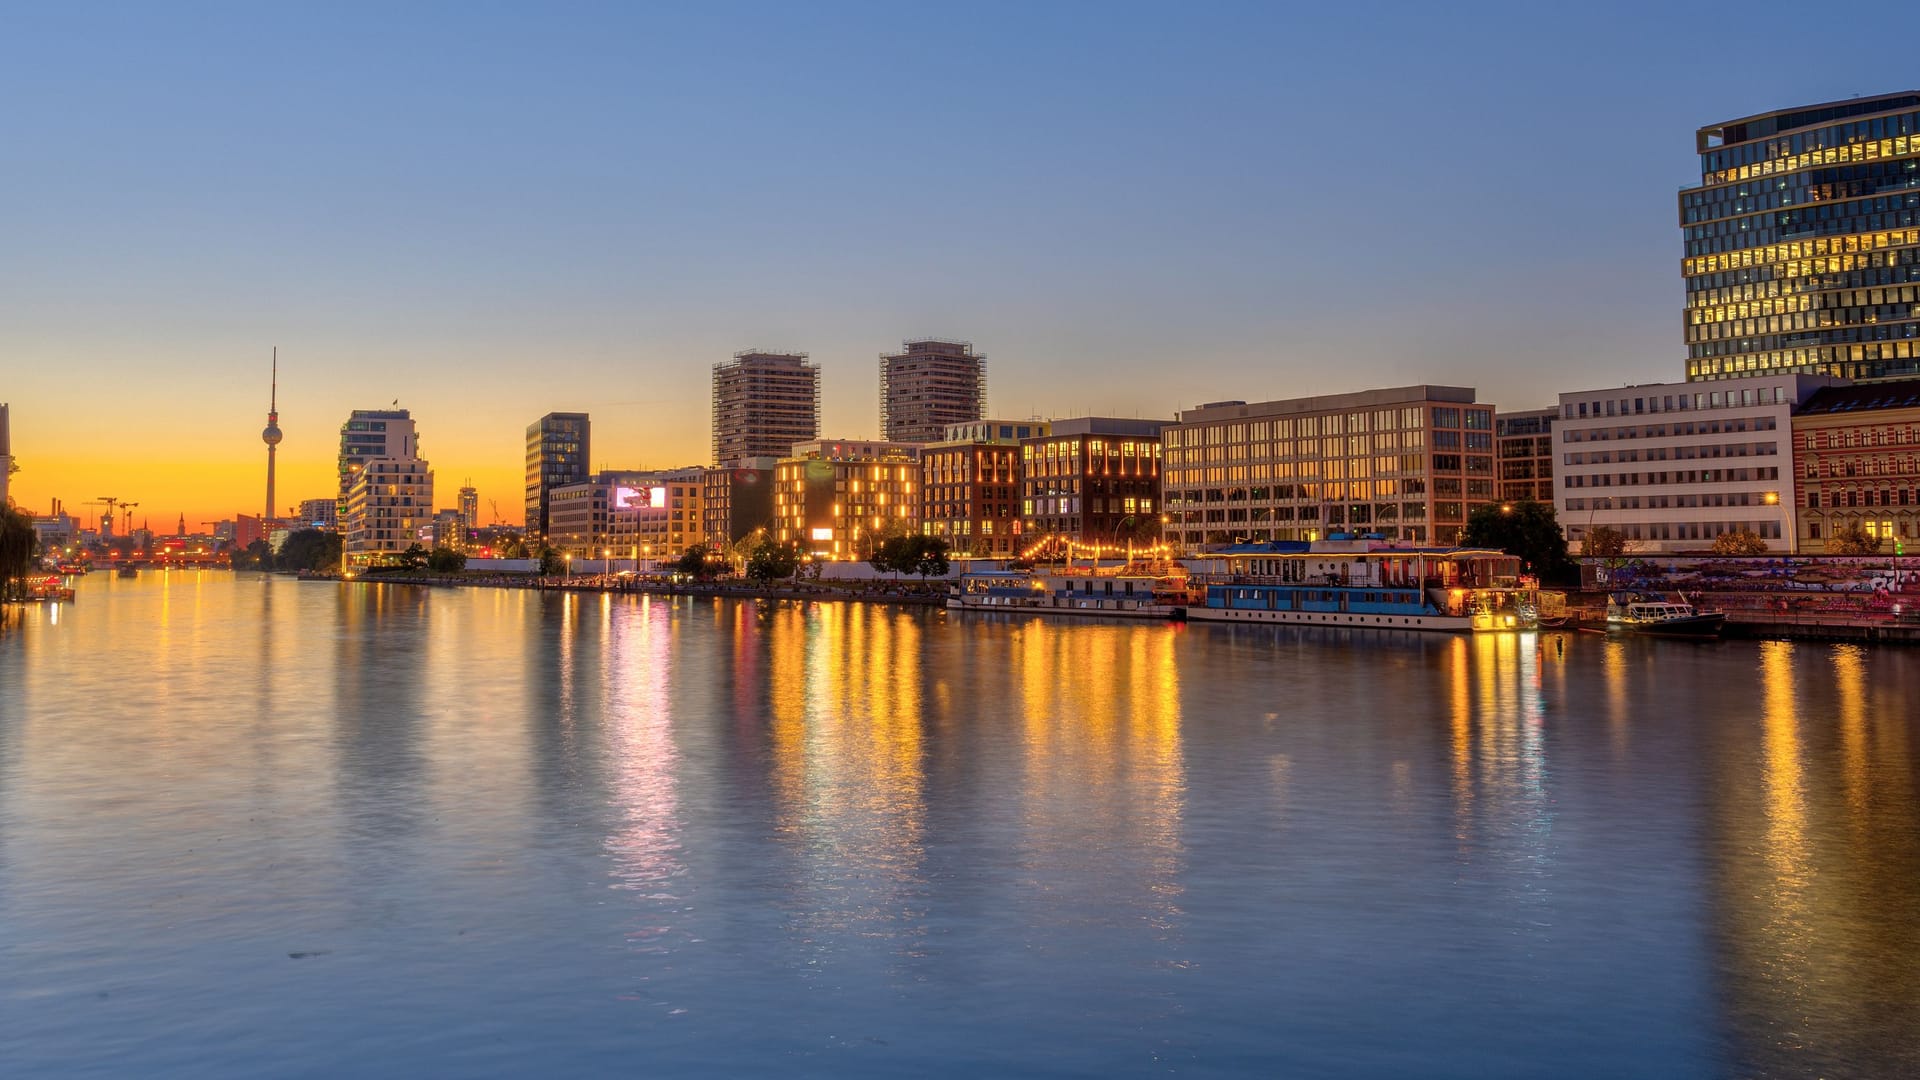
[
  {"x": 1364, "y": 583},
  {"x": 1126, "y": 596}
]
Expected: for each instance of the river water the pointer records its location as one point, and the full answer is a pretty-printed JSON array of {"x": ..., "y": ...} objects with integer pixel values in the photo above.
[{"x": 262, "y": 827}]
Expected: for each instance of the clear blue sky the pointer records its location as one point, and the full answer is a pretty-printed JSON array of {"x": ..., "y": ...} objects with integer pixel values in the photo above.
[{"x": 489, "y": 211}]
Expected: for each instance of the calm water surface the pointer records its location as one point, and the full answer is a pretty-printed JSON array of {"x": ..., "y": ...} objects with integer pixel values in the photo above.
[{"x": 256, "y": 827}]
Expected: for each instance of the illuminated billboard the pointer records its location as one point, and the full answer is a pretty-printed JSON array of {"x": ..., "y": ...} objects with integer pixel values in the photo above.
[
  {"x": 823, "y": 534},
  {"x": 626, "y": 498},
  {"x": 657, "y": 498}
]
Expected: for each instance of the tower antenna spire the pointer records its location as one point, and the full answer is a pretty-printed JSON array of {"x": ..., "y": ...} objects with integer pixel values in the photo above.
[{"x": 271, "y": 436}]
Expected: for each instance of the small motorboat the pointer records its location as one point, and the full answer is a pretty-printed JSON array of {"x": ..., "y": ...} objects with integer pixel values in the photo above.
[
  {"x": 1660, "y": 617},
  {"x": 129, "y": 571}
]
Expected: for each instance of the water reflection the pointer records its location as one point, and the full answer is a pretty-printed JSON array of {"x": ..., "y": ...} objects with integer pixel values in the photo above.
[
  {"x": 1819, "y": 850},
  {"x": 847, "y": 769},
  {"x": 847, "y": 840},
  {"x": 1104, "y": 784}
]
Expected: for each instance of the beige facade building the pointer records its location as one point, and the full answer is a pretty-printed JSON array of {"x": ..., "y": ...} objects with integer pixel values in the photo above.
[
  {"x": 1408, "y": 463},
  {"x": 389, "y": 504}
]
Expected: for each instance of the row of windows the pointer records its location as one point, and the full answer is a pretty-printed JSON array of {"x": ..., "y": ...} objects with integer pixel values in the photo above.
[
  {"x": 1682, "y": 476},
  {"x": 1814, "y": 328},
  {"x": 1817, "y": 469},
  {"x": 1744, "y": 398},
  {"x": 1839, "y": 305},
  {"x": 1686, "y": 530},
  {"x": 1864, "y": 215},
  {"x": 1330, "y": 513},
  {"x": 1840, "y": 183},
  {"x": 1863, "y": 497},
  {"x": 1671, "y": 501},
  {"x": 1890, "y": 146},
  {"x": 1814, "y": 138},
  {"x": 1868, "y": 361},
  {"x": 1851, "y": 438},
  {"x": 1673, "y": 453},
  {"x": 1306, "y": 427},
  {"x": 1877, "y": 268}
]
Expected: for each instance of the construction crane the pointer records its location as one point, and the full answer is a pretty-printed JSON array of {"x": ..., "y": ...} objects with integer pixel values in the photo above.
[
  {"x": 106, "y": 519},
  {"x": 495, "y": 503},
  {"x": 126, "y": 516}
]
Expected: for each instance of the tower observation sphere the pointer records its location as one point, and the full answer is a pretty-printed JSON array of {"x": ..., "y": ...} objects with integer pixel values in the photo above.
[{"x": 271, "y": 436}]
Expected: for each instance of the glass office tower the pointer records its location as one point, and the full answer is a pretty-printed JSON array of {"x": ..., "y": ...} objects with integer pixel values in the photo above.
[{"x": 1803, "y": 242}]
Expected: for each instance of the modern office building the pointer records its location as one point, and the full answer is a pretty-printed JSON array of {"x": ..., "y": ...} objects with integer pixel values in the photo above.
[
  {"x": 1408, "y": 463},
  {"x": 367, "y": 435},
  {"x": 1802, "y": 242},
  {"x": 469, "y": 507},
  {"x": 1523, "y": 455},
  {"x": 662, "y": 519},
  {"x": 388, "y": 505},
  {"x": 321, "y": 514},
  {"x": 926, "y": 386},
  {"x": 1091, "y": 480},
  {"x": 1856, "y": 462},
  {"x": 558, "y": 454},
  {"x": 737, "y": 500},
  {"x": 837, "y": 499},
  {"x": 1674, "y": 465},
  {"x": 764, "y": 403}
]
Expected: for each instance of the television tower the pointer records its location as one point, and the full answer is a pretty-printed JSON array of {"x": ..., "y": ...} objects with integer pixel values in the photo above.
[{"x": 271, "y": 436}]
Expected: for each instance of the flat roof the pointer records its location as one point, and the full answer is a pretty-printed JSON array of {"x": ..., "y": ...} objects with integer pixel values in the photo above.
[{"x": 1363, "y": 399}]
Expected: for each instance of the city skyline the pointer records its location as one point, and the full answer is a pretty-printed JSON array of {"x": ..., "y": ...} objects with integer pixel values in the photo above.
[{"x": 449, "y": 228}]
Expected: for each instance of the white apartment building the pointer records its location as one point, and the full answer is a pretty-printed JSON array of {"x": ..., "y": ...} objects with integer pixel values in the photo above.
[
  {"x": 388, "y": 502},
  {"x": 1674, "y": 465}
]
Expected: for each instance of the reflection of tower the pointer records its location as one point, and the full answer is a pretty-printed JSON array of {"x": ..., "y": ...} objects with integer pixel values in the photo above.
[{"x": 271, "y": 436}]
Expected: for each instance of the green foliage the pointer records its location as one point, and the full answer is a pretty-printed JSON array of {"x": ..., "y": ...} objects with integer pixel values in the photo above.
[
  {"x": 1852, "y": 539},
  {"x": 933, "y": 557},
  {"x": 1739, "y": 542},
  {"x": 770, "y": 561},
  {"x": 912, "y": 554},
  {"x": 1605, "y": 542},
  {"x": 1527, "y": 529},
  {"x": 552, "y": 562},
  {"x": 445, "y": 560},
  {"x": 696, "y": 562},
  {"x": 413, "y": 558},
  {"x": 309, "y": 549},
  {"x": 17, "y": 542},
  {"x": 255, "y": 556}
]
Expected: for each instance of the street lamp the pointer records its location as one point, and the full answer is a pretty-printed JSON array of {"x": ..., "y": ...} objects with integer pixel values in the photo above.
[{"x": 1772, "y": 498}]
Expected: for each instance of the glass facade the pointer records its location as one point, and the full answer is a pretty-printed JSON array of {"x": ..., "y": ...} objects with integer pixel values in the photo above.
[
  {"x": 557, "y": 454},
  {"x": 1802, "y": 243}
]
